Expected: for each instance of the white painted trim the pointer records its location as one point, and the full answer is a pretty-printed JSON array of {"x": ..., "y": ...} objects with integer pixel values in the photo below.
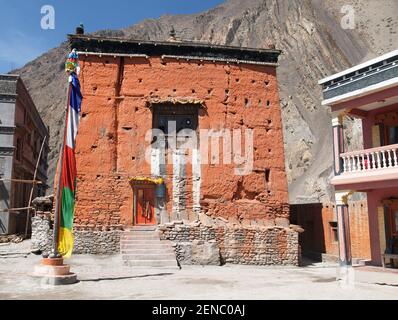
[
  {"x": 362, "y": 92},
  {"x": 368, "y": 75},
  {"x": 365, "y": 176},
  {"x": 359, "y": 66},
  {"x": 73, "y": 125},
  {"x": 175, "y": 192},
  {"x": 155, "y": 162},
  {"x": 178, "y": 191},
  {"x": 196, "y": 180},
  {"x": 100, "y": 54},
  {"x": 237, "y": 61}
]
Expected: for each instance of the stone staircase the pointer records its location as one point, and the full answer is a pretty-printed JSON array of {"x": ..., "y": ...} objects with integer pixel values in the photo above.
[{"x": 141, "y": 246}]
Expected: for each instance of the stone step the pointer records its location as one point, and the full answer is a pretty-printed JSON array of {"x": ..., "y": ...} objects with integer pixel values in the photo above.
[
  {"x": 151, "y": 263},
  {"x": 142, "y": 228},
  {"x": 145, "y": 246},
  {"x": 141, "y": 247},
  {"x": 140, "y": 233},
  {"x": 156, "y": 251},
  {"x": 139, "y": 237},
  {"x": 360, "y": 262},
  {"x": 146, "y": 256},
  {"x": 142, "y": 241}
]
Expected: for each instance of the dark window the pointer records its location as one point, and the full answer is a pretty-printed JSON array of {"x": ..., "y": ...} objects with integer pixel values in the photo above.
[
  {"x": 392, "y": 134},
  {"x": 172, "y": 119},
  {"x": 18, "y": 154},
  {"x": 394, "y": 222},
  {"x": 334, "y": 234},
  {"x": 2, "y": 166}
]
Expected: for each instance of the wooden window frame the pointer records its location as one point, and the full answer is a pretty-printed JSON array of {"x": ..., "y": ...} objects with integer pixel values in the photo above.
[
  {"x": 394, "y": 227},
  {"x": 334, "y": 228},
  {"x": 190, "y": 111},
  {"x": 386, "y": 133}
]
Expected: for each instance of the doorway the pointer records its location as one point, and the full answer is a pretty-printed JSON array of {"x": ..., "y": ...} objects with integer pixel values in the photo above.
[{"x": 144, "y": 205}]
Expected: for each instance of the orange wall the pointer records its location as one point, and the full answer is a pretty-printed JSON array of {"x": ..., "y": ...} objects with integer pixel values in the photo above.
[{"x": 115, "y": 118}]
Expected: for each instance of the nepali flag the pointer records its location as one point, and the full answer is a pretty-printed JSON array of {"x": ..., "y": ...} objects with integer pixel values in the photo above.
[{"x": 68, "y": 171}]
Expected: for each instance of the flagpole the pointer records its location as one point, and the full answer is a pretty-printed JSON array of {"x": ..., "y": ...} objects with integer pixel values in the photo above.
[{"x": 54, "y": 252}]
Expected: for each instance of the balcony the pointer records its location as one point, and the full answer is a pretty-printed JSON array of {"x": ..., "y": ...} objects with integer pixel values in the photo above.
[{"x": 377, "y": 166}]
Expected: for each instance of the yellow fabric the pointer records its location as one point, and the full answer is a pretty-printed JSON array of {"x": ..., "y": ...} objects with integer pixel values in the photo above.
[
  {"x": 65, "y": 243},
  {"x": 158, "y": 180}
]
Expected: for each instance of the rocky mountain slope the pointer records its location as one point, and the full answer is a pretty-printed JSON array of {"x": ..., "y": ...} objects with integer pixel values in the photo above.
[{"x": 314, "y": 45}]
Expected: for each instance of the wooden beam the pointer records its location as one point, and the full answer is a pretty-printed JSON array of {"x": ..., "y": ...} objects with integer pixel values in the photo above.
[
  {"x": 23, "y": 181},
  {"x": 17, "y": 209},
  {"x": 359, "y": 113},
  {"x": 33, "y": 186}
]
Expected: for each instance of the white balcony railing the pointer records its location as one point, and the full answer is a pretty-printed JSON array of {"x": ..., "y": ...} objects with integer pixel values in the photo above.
[{"x": 370, "y": 159}]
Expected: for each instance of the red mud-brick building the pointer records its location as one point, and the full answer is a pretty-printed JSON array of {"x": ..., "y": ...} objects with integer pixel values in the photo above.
[{"x": 238, "y": 209}]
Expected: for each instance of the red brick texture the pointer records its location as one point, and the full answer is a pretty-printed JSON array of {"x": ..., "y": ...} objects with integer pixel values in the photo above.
[{"x": 115, "y": 118}]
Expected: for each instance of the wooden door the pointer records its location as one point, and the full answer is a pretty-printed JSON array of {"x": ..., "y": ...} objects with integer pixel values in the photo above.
[
  {"x": 144, "y": 206},
  {"x": 393, "y": 220}
]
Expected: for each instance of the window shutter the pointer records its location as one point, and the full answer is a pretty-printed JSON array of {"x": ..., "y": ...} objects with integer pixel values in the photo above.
[{"x": 377, "y": 135}]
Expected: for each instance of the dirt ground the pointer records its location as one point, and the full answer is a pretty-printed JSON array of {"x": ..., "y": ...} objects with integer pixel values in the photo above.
[{"x": 104, "y": 277}]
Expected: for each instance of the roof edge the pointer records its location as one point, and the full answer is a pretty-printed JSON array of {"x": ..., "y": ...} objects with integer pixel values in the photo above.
[
  {"x": 117, "y": 46},
  {"x": 359, "y": 66},
  {"x": 172, "y": 43}
]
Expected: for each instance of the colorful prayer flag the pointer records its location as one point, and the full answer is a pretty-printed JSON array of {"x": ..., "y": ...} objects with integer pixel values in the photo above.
[{"x": 68, "y": 172}]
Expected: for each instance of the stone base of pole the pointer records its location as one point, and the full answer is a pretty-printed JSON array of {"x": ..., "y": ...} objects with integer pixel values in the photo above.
[{"x": 53, "y": 271}]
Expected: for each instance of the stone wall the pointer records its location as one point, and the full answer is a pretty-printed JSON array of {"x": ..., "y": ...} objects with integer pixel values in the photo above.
[
  {"x": 42, "y": 232},
  {"x": 258, "y": 245},
  {"x": 94, "y": 241},
  {"x": 194, "y": 243}
]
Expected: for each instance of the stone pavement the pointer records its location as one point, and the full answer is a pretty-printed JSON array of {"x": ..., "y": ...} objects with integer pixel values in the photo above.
[{"x": 104, "y": 277}]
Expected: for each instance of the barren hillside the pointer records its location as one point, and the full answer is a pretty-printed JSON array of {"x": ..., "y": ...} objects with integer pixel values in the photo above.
[{"x": 314, "y": 45}]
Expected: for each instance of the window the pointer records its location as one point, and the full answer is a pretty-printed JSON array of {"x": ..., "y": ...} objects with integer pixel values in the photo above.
[
  {"x": 18, "y": 154},
  {"x": 334, "y": 234},
  {"x": 2, "y": 166},
  {"x": 171, "y": 119},
  {"x": 392, "y": 134},
  {"x": 394, "y": 222}
]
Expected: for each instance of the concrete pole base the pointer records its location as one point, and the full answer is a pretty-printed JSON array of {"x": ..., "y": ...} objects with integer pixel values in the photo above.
[{"x": 54, "y": 272}]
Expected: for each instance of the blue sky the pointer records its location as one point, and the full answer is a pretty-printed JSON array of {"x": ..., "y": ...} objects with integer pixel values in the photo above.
[{"x": 22, "y": 39}]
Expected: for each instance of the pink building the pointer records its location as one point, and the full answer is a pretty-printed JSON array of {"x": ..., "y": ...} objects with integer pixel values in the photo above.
[{"x": 368, "y": 91}]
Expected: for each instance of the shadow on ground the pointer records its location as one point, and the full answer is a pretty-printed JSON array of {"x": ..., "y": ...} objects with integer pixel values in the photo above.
[{"x": 125, "y": 278}]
